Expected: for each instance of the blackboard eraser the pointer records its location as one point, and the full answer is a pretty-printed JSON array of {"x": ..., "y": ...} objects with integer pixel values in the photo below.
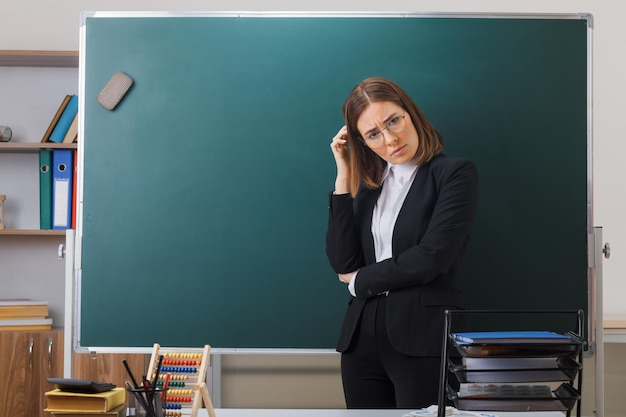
[{"x": 114, "y": 90}]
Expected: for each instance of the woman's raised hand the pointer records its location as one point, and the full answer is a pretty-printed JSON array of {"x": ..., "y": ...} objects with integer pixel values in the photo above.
[{"x": 339, "y": 147}]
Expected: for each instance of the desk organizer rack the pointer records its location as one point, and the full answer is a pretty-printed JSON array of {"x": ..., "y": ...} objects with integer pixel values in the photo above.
[
  {"x": 184, "y": 370},
  {"x": 497, "y": 374}
]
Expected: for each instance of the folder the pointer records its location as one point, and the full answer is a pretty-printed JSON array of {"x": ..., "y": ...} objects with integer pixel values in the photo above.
[
  {"x": 62, "y": 175},
  {"x": 74, "y": 184},
  {"x": 45, "y": 189},
  {"x": 65, "y": 121},
  {"x": 506, "y": 337}
]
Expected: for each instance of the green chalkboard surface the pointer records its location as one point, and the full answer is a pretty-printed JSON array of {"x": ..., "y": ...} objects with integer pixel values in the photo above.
[{"x": 205, "y": 191}]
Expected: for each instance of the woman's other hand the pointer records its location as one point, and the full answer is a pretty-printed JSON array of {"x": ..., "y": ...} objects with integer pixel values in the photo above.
[{"x": 347, "y": 278}]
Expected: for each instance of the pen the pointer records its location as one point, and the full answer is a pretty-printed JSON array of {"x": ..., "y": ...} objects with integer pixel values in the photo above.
[{"x": 130, "y": 374}]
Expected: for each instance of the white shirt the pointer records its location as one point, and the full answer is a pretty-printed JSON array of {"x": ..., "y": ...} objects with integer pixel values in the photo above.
[{"x": 397, "y": 180}]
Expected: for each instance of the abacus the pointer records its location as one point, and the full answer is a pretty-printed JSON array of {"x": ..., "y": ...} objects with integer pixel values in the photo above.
[{"x": 183, "y": 372}]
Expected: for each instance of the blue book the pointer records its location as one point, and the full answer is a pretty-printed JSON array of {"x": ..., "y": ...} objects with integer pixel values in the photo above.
[
  {"x": 511, "y": 337},
  {"x": 62, "y": 126}
]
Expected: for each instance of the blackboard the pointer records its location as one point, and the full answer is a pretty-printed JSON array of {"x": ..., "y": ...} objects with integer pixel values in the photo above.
[{"x": 205, "y": 192}]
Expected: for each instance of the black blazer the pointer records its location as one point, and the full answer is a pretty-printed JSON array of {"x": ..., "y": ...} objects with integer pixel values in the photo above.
[{"x": 429, "y": 239}]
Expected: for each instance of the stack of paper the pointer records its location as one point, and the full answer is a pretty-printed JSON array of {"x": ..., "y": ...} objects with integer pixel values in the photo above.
[{"x": 24, "y": 314}]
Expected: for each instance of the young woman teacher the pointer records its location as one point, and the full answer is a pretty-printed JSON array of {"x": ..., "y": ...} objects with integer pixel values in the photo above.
[{"x": 399, "y": 223}]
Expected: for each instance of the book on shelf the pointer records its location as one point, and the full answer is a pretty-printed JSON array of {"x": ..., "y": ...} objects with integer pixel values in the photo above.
[
  {"x": 30, "y": 328},
  {"x": 62, "y": 189},
  {"x": 64, "y": 122},
  {"x": 45, "y": 189},
  {"x": 116, "y": 412},
  {"x": 72, "y": 131},
  {"x": 511, "y": 337},
  {"x": 10, "y": 308},
  {"x": 63, "y": 401},
  {"x": 12, "y": 302},
  {"x": 56, "y": 118},
  {"x": 26, "y": 323}
]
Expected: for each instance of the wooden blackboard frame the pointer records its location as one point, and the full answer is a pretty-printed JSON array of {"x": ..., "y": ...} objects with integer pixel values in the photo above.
[{"x": 89, "y": 324}]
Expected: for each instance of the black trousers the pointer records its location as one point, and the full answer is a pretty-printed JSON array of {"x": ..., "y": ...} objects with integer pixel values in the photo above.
[{"x": 374, "y": 375}]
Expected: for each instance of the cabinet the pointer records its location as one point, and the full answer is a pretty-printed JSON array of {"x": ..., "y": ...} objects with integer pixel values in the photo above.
[
  {"x": 516, "y": 374},
  {"x": 27, "y": 359}
]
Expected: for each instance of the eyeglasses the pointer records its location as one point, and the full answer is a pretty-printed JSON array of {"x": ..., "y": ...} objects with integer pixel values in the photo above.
[{"x": 376, "y": 138}]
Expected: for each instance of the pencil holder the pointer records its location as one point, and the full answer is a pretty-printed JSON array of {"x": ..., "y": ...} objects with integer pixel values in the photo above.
[{"x": 146, "y": 402}]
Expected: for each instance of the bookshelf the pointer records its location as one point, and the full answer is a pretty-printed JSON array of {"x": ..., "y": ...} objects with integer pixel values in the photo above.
[
  {"x": 11, "y": 147},
  {"x": 32, "y": 84},
  {"x": 21, "y": 151}
]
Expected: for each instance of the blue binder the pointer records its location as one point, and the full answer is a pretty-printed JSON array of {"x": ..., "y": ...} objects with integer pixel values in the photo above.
[{"x": 62, "y": 170}]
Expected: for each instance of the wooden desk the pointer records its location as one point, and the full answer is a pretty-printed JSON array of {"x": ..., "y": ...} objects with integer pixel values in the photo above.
[{"x": 241, "y": 412}]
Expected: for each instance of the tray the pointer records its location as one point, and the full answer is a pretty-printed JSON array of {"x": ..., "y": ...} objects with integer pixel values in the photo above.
[
  {"x": 522, "y": 350},
  {"x": 511, "y": 370},
  {"x": 512, "y": 398}
]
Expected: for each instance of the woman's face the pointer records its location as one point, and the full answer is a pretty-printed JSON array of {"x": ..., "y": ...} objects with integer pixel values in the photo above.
[{"x": 389, "y": 131}]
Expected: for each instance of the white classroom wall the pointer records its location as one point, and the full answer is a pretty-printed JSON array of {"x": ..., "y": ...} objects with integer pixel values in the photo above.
[{"x": 54, "y": 25}]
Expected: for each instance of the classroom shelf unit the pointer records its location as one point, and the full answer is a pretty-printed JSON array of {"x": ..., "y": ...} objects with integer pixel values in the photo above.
[
  {"x": 32, "y": 83},
  {"x": 16, "y": 147},
  {"x": 33, "y": 94},
  {"x": 543, "y": 374}
]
